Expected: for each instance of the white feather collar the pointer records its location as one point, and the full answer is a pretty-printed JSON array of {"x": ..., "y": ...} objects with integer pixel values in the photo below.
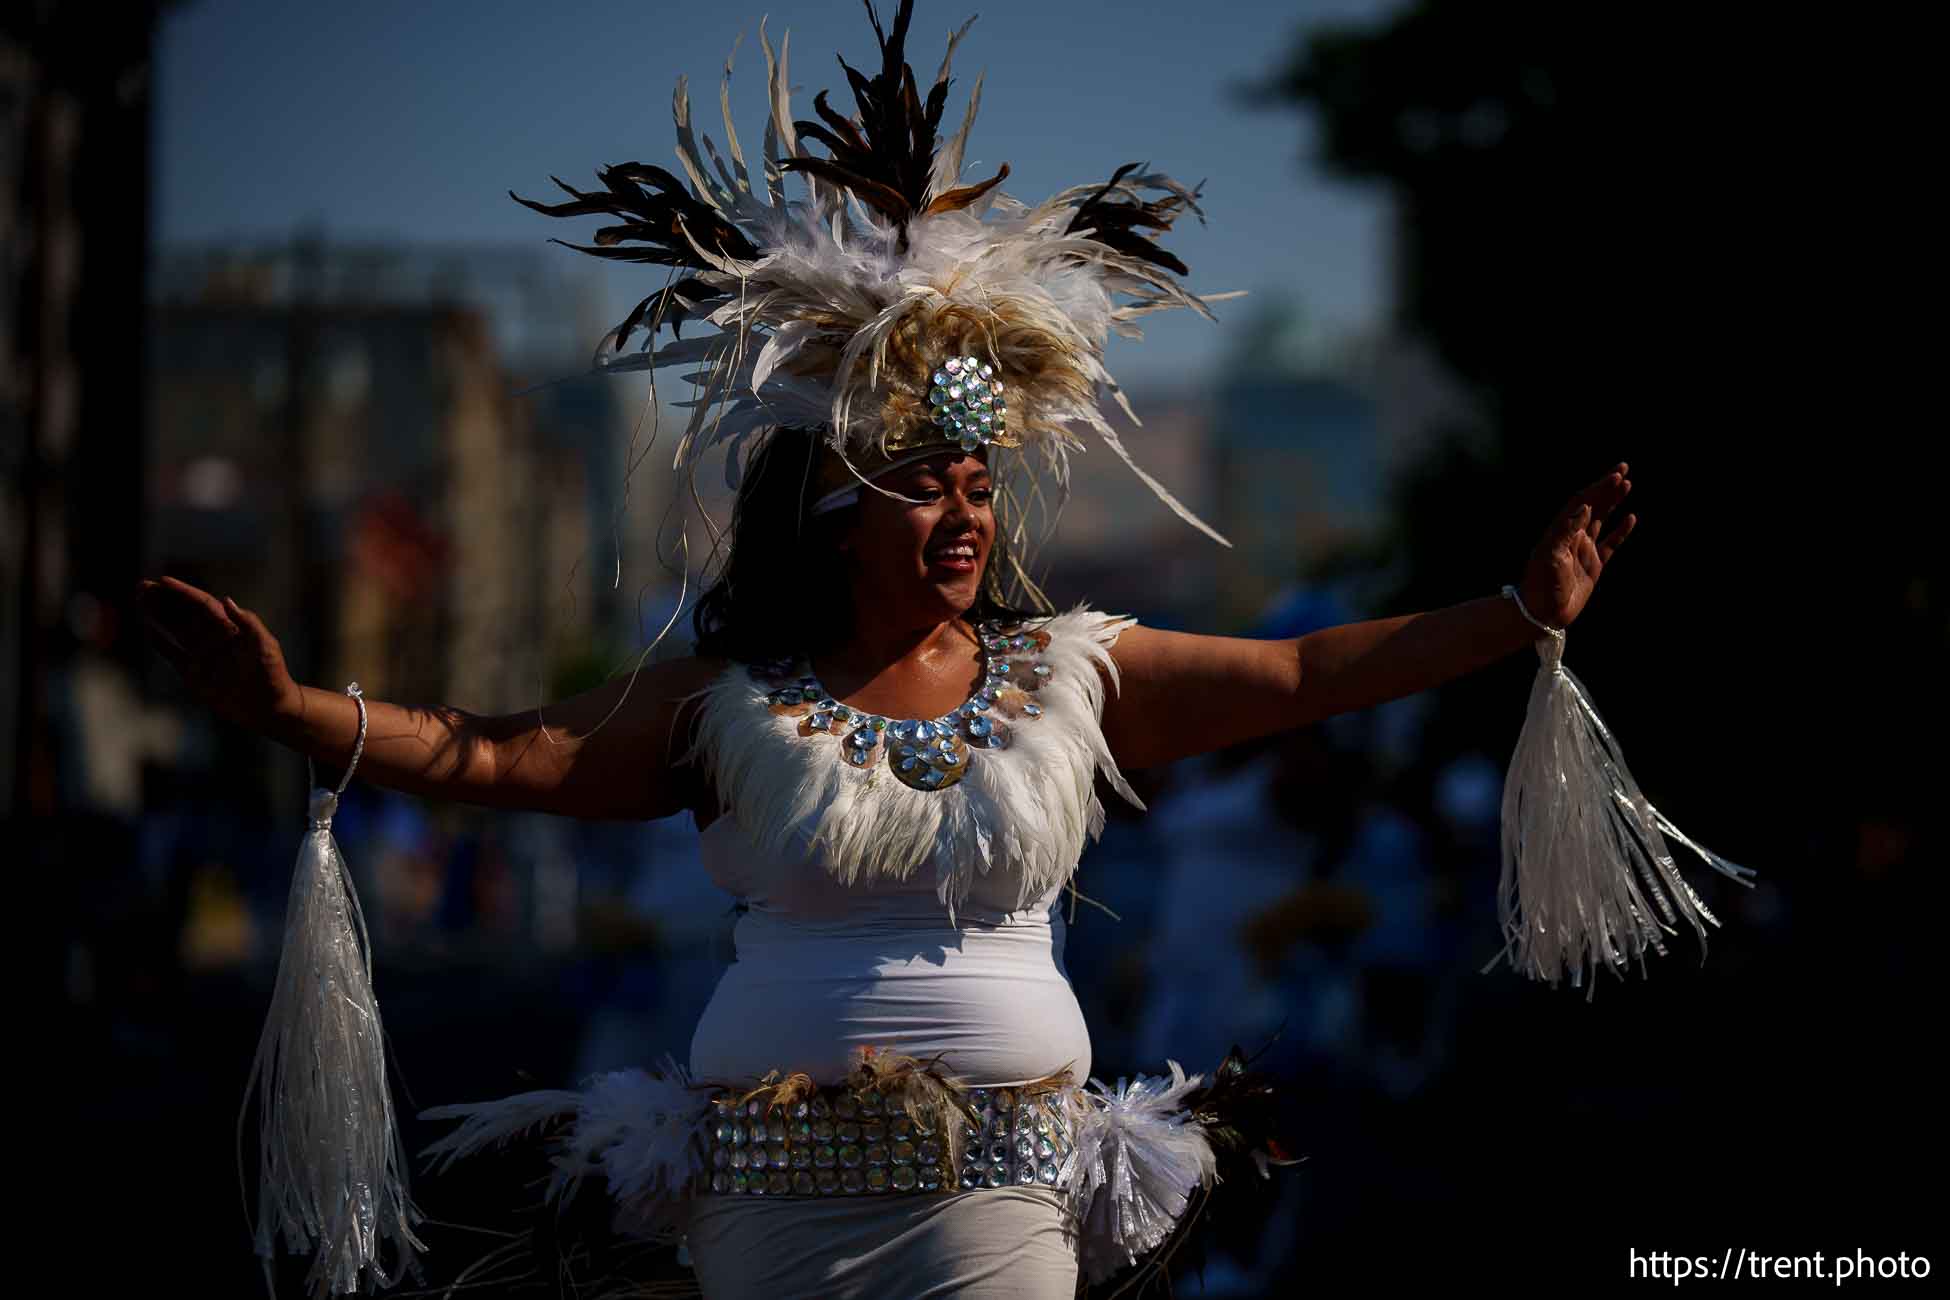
[{"x": 1025, "y": 810}]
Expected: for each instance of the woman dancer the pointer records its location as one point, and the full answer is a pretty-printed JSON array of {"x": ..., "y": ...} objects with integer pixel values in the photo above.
[{"x": 891, "y": 746}]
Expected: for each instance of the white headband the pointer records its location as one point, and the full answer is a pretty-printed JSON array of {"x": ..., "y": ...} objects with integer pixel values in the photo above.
[{"x": 840, "y": 498}]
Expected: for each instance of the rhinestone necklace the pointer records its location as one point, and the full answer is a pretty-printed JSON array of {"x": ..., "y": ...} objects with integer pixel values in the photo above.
[{"x": 924, "y": 753}]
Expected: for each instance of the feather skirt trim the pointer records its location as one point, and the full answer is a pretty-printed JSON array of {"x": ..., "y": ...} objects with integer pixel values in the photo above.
[
  {"x": 1138, "y": 1158},
  {"x": 641, "y": 1130},
  {"x": 1139, "y": 1155},
  {"x": 1027, "y": 810}
]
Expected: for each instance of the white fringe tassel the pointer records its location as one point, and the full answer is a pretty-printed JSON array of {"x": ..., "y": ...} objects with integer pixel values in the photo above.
[
  {"x": 1138, "y": 1157},
  {"x": 331, "y": 1167},
  {"x": 1587, "y": 876},
  {"x": 642, "y": 1131}
]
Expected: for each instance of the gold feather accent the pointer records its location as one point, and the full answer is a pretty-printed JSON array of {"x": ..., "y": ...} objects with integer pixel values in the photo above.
[
  {"x": 934, "y": 1099},
  {"x": 775, "y": 1093}
]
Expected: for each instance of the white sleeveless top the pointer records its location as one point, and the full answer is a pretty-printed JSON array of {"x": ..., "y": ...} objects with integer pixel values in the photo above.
[{"x": 911, "y": 918}]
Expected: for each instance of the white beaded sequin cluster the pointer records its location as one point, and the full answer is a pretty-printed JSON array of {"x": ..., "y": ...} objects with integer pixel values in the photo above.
[
  {"x": 842, "y": 1143},
  {"x": 928, "y": 753},
  {"x": 967, "y": 403}
]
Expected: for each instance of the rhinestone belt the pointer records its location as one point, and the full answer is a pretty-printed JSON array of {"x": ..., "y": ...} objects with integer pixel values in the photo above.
[{"x": 842, "y": 1142}]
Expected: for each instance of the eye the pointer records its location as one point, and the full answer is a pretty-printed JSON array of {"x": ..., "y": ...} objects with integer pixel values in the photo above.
[{"x": 982, "y": 495}]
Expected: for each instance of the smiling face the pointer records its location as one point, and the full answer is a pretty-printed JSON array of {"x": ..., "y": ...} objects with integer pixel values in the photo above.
[{"x": 923, "y": 562}]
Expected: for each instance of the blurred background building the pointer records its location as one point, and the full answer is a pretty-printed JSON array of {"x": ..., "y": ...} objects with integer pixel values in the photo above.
[
  {"x": 336, "y": 443},
  {"x": 268, "y": 322}
]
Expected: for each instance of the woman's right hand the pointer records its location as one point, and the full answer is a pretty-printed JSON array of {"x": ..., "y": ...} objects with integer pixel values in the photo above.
[{"x": 223, "y": 652}]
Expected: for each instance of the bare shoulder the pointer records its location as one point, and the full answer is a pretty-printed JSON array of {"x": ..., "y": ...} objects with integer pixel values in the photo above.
[
  {"x": 680, "y": 678},
  {"x": 1236, "y": 688},
  {"x": 1135, "y": 646},
  {"x": 636, "y": 698},
  {"x": 613, "y": 751},
  {"x": 1148, "y": 653},
  {"x": 673, "y": 689}
]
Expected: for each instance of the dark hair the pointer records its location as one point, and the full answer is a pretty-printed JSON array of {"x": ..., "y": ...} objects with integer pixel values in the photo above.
[{"x": 782, "y": 589}]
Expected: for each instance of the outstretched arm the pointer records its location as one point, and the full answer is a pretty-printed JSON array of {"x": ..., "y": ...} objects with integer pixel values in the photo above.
[
  {"x": 608, "y": 753},
  {"x": 1182, "y": 694}
]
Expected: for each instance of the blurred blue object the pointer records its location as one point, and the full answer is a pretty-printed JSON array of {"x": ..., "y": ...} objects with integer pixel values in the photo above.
[
  {"x": 1388, "y": 860},
  {"x": 1297, "y": 610},
  {"x": 1469, "y": 792},
  {"x": 1223, "y": 857}
]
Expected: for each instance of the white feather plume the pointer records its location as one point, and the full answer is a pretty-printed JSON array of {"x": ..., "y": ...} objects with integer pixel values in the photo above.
[
  {"x": 489, "y": 1124},
  {"x": 1137, "y": 1159},
  {"x": 641, "y": 1130}
]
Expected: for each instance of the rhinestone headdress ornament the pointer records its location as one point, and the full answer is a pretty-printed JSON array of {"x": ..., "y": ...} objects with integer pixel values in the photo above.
[
  {"x": 967, "y": 404},
  {"x": 859, "y": 307}
]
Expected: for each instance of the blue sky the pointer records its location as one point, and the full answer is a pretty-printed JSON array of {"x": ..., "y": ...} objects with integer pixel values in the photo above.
[{"x": 412, "y": 121}]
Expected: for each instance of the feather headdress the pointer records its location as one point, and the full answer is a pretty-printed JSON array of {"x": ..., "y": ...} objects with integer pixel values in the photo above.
[{"x": 891, "y": 307}]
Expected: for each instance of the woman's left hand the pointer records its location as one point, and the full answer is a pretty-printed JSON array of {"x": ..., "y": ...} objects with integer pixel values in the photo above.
[{"x": 1565, "y": 564}]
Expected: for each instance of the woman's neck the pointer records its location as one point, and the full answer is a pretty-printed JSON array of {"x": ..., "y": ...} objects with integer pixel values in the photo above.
[
  {"x": 889, "y": 662},
  {"x": 874, "y": 645}
]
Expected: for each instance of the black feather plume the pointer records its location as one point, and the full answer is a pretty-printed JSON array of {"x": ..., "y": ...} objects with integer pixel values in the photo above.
[
  {"x": 670, "y": 306},
  {"x": 1115, "y": 221},
  {"x": 884, "y": 154},
  {"x": 656, "y": 211}
]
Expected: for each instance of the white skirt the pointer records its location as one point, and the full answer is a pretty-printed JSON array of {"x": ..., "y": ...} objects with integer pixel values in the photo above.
[{"x": 1003, "y": 1243}]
